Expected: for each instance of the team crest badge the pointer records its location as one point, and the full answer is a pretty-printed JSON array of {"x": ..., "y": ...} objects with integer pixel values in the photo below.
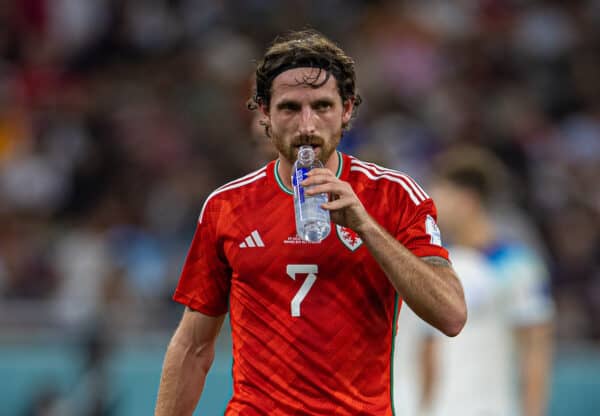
[{"x": 350, "y": 239}]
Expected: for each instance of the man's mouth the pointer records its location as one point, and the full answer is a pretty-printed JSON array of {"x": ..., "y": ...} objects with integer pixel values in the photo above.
[
  {"x": 313, "y": 145},
  {"x": 316, "y": 148}
]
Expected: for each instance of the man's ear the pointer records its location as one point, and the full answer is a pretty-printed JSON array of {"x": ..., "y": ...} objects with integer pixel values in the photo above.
[
  {"x": 264, "y": 110},
  {"x": 265, "y": 120},
  {"x": 347, "y": 109}
]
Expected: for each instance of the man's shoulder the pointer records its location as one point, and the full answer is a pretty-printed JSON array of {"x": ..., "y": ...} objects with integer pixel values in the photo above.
[
  {"x": 243, "y": 183},
  {"x": 504, "y": 251},
  {"x": 237, "y": 188},
  {"x": 382, "y": 178},
  {"x": 515, "y": 261}
]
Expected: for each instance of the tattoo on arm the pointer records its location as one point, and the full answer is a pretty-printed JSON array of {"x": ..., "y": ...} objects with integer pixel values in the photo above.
[{"x": 436, "y": 261}]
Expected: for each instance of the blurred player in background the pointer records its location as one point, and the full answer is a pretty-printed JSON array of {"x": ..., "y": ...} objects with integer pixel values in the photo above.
[
  {"x": 500, "y": 365},
  {"x": 312, "y": 324}
]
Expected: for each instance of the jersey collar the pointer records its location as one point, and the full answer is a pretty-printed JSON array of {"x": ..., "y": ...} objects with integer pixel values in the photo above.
[{"x": 287, "y": 190}]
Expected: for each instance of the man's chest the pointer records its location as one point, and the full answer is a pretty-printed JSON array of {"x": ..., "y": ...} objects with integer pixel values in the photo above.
[
  {"x": 272, "y": 267},
  {"x": 262, "y": 234},
  {"x": 267, "y": 244}
]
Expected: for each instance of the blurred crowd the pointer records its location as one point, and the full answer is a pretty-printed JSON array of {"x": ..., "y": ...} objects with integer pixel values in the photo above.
[{"x": 117, "y": 119}]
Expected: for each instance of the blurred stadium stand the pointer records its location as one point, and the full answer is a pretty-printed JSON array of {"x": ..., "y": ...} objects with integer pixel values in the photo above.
[{"x": 117, "y": 119}]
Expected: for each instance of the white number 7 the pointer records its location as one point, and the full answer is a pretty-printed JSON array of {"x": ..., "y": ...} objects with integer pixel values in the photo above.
[{"x": 292, "y": 271}]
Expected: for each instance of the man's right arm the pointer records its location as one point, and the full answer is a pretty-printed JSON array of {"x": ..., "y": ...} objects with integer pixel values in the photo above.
[{"x": 187, "y": 361}]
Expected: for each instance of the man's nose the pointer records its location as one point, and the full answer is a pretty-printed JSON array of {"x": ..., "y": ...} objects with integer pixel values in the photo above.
[{"x": 307, "y": 121}]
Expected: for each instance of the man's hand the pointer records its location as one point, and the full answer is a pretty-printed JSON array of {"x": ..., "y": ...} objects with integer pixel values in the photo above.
[
  {"x": 344, "y": 206},
  {"x": 433, "y": 292}
]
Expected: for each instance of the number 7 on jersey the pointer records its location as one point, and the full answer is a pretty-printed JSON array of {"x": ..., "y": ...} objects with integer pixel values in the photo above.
[{"x": 292, "y": 270}]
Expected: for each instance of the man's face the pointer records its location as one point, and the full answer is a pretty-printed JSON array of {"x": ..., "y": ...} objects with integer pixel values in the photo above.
[
  {"x": 454, "y": 206},
  {"x": 299, "y": 114}
]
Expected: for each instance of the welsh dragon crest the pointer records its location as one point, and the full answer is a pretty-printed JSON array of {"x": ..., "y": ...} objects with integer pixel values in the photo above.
[{"x": 348, "y": 237}]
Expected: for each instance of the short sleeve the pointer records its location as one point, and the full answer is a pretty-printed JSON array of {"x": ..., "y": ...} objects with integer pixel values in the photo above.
[
  {"x": 418, "y": 231},
  {"x": 531, "y": 301},
  {"x": 206, "y": 277}
]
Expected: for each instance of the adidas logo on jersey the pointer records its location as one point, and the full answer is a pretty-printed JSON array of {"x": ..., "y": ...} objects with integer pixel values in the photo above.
[{"x": 253, "y": 240}]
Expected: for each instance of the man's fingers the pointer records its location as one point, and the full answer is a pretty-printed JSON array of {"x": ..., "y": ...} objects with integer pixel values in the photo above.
[
  {"x": 335, "y": 205},
  {"x": 317, "y": 179},
  {"x": 320, "y": 171},
  {"x": 330, "y": 187}
]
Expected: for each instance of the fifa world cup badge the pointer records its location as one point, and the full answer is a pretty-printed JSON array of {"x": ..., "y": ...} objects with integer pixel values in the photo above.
[{"x": 433, "y": 230}]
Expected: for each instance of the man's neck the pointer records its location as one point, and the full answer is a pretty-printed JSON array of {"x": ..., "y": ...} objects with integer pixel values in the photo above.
[
  {"x": 477, "y": 233},
  {"x": 285, "y": 168}
]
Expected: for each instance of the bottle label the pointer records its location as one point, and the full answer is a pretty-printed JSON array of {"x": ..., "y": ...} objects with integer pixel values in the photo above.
[{"x": 299, "y": 175}]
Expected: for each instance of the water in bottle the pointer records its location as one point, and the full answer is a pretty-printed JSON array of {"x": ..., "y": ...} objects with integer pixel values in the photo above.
[{"x": 312, "y": 222}]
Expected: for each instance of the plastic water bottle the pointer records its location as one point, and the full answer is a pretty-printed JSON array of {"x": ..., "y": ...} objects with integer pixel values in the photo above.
[{"x": 312, "y": 222}]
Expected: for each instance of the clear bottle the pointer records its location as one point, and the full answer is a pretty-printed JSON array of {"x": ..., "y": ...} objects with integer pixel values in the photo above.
[{"x": 312, "y": 222}]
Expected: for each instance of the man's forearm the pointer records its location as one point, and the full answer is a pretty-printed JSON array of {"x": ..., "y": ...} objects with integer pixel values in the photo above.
[
  {"x": 183, "y": 376},
  {"x": 433, "y": 293},
  {"x": 536, "y": 364},
  {"x": 429, "y": 369}
]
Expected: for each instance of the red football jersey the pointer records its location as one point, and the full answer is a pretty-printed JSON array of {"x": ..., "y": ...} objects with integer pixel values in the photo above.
[{"x": 312, "y": 325}]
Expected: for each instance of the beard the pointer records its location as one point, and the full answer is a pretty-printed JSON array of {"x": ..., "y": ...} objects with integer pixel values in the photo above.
[{"x": 323, "y": 148}]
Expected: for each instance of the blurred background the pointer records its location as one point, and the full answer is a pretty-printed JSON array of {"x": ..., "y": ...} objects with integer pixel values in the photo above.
[{"x": 117, "y": 119}]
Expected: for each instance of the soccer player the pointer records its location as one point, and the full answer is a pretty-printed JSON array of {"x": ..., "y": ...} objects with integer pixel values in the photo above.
[
  {"x": 501, "y": 362},
  {"x": 312, "y": 324}
]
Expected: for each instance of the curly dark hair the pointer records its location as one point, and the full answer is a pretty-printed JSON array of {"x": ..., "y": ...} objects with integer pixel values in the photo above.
[{"x": 305, "y": 48}]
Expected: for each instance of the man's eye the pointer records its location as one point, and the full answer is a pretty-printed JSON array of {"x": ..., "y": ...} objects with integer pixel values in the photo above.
[
  {"x": 323, "y": 106},
  {"x": 289, "y": 107}
]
